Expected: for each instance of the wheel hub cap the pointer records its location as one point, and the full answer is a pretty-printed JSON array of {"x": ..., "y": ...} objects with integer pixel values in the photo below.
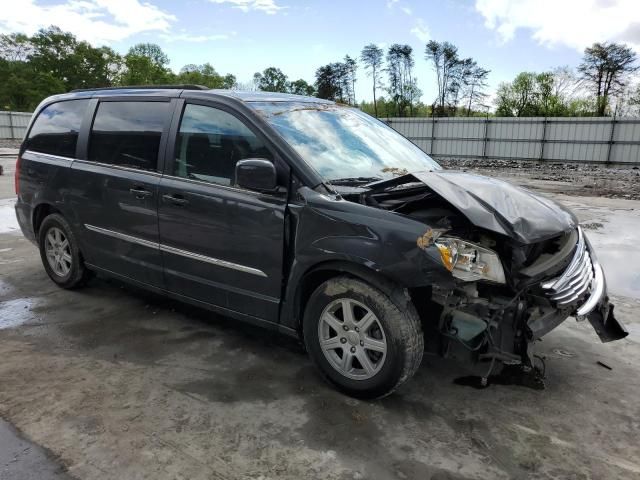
[
  {"x": 352, "y": 339},
  {"x": 58, "y": 251}
]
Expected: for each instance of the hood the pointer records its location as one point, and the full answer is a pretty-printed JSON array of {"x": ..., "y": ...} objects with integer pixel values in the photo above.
[{"x": 497, "y": 205}]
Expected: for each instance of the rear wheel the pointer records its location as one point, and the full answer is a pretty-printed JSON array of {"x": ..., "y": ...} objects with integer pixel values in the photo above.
[
  {"x": 60, "y": 254},
  {"x": 362, "y": 341}
]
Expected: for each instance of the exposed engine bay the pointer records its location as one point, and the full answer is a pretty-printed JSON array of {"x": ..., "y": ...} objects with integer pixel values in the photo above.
[{"x": 519, "y": 272}]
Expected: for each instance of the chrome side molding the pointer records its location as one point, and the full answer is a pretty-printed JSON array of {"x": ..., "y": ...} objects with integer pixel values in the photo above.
[{"x": 176, "y": 251}]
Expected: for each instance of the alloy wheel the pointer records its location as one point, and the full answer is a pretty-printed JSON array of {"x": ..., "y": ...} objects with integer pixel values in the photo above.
[{"x": 352, "y": 339}]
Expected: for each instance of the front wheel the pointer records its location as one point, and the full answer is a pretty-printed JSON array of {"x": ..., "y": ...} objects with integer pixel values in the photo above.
[{"x": 362, "y": 341}]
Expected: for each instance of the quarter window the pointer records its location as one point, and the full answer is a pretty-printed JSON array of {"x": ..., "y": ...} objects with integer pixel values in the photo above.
[
  {"x": 128, "y": 133},
  {"x": 210, "y": 143},
  {"x": 55, "y": 131}
]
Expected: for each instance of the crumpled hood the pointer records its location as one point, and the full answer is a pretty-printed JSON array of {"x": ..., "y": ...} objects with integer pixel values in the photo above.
[{"x": 500, "y": 206}]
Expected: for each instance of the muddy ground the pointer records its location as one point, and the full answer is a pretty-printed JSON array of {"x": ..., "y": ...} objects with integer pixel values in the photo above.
[{"x": 110, "y": 382}]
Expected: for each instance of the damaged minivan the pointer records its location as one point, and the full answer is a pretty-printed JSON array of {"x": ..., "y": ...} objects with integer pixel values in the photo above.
[{"x": 308, "y": 217}]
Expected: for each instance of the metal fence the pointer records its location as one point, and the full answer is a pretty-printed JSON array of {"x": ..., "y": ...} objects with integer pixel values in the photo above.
[
  {"x": 13, "y": 124},
  {"x": 552, "y": 139},
  {"x": 557, "y": 139}
]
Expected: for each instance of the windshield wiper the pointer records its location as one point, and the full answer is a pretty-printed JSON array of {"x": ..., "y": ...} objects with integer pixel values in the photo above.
[{"x": 354, "y": 180}]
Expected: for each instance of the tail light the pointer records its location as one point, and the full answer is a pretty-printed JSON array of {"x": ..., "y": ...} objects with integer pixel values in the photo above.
[{"x": 17, "y": 176}]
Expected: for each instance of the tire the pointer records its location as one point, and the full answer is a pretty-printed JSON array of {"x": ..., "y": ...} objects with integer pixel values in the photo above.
[
  {"x": 382, "y": 334},
  {"x": 60, "y": 254}
]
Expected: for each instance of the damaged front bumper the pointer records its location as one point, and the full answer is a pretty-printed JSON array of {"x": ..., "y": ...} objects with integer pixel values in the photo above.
[
  {"x": 488, "y": 323},
  {"x": 583, "y": 288}
]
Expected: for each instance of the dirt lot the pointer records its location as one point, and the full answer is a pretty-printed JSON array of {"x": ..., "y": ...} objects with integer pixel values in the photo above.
[
  {"x": 573, "y": 179},
  {"x": 112, "y": 383}
]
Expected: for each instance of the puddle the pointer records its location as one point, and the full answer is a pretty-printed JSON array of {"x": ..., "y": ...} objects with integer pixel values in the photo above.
[
  {"x": 617, "y": 245},
  {"x": 14, "y": 313},
  {"x": 8, "y": 221}
]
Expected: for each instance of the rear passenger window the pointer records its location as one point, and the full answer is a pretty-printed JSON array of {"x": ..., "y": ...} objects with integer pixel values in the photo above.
[
  {"x": 210, "y": 143},
  {"x": 55, "y": 131},
  {"x": 128, "y": 133}
]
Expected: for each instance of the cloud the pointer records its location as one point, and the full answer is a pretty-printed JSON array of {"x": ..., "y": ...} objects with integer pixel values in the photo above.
[
  {"x": 421, "y": 31},
  {"x": 97, "y": 21},
  {"x": 186, "y": 37},
  {"x": 269, "y": 7},
  {"x": 572, "y": 23}
]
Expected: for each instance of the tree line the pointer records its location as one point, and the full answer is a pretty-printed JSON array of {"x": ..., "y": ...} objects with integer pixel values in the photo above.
[{"x": 53, "y": 61}]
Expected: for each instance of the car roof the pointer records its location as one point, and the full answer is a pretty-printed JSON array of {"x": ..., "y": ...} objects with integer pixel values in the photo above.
[{"x": 191, "y": 90}]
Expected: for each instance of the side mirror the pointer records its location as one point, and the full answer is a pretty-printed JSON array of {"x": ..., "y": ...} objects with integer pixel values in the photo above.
[{"x": 256, "y": 174}]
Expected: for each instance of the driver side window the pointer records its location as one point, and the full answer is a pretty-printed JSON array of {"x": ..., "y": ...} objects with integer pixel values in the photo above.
[{"x": 210, "y": 142}]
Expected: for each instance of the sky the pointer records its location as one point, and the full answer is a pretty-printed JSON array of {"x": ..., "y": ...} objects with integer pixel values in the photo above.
[{"x": 298, "y": 36}]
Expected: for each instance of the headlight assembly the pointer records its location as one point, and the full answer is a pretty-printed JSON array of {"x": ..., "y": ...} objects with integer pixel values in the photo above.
[{"x": 468, "y": 261}]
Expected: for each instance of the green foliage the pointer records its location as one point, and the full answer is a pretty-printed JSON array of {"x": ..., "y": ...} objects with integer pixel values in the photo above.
[
  {"x": 272, "y": 79},
  {"x": 371, "y": 57},
  {"x": 336, "y": 81},
  {"x": 301, "y": 87},
  {"x": 53, "y": 61},
  {"x": 535, "y": 94},
  {"x": 606, "y": 68},
  {"x": 205, "y": 75},
  {"x": 402, "y": 87},
  {"x": 146, "y": 64}
]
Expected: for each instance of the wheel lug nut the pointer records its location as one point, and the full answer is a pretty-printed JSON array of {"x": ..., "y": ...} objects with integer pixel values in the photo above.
[
  {"x": 345, "y": 328},
  {"x": 357, "y": 329},
  {"x": 353, "y": 349},
  {"x": 361, "y": 343},
  {"x": 343, "y": 340}
]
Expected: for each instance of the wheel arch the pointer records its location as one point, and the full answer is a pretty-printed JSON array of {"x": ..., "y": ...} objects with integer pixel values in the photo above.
[
  {"x": 40, "y": 212},
  {"x": 314, "y": 276}
]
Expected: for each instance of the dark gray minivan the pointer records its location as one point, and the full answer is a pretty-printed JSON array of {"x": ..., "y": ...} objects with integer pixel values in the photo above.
[{"x": 308, "y": 217}]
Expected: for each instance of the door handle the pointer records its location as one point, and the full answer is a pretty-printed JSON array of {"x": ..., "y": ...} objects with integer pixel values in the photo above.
[
  {"x": 177, "y": 200},
  {"x": 140, "y": 192}
]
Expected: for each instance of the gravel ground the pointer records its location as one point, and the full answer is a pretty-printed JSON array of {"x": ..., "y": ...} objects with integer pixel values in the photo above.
[{"x": 572, "y": 179}]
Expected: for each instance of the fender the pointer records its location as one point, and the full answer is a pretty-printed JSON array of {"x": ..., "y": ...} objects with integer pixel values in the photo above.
[{"x": 380, "y": 247}]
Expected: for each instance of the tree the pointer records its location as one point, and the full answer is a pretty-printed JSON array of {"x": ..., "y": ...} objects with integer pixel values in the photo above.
[
  {"x": 444, "y": 57},
  {"x": 205, "y": 75},
  {"x": 301, "y": 87},
  {"x": 350, "y": 66},
  {"x": 534, "y": 94},
  {"x": 402, "y": 86},
  {"x": 328, "y": 85},
  {"x": 605, "y": 67},
  {"x": 476, "y": 84},
  {"x": 335, "y": 81},
  {"x": 458, "y": 78},
  {"x": 257, "y": 78},
  {"x": 371, "y": 56},
  {"x": 273, "y": 80},
  {"x": 15, "y": 47},
  {"x": 518, "y": 98},
  {"x": 146, "y": 64}
]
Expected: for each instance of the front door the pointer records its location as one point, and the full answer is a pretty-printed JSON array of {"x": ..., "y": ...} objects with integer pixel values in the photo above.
[
  {"x": 115, "y": 190},
  {"x": 220, "y": 244}
]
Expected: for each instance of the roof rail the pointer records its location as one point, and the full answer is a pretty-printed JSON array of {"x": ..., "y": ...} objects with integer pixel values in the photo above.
[{"x": 146, "y": 87}]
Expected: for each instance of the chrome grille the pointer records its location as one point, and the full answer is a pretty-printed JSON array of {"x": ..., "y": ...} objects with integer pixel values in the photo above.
[{"x": 577, "y": 279}]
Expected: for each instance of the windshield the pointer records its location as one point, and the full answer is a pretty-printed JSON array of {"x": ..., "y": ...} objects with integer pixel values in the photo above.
[{"x": 344, "y": 144}]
